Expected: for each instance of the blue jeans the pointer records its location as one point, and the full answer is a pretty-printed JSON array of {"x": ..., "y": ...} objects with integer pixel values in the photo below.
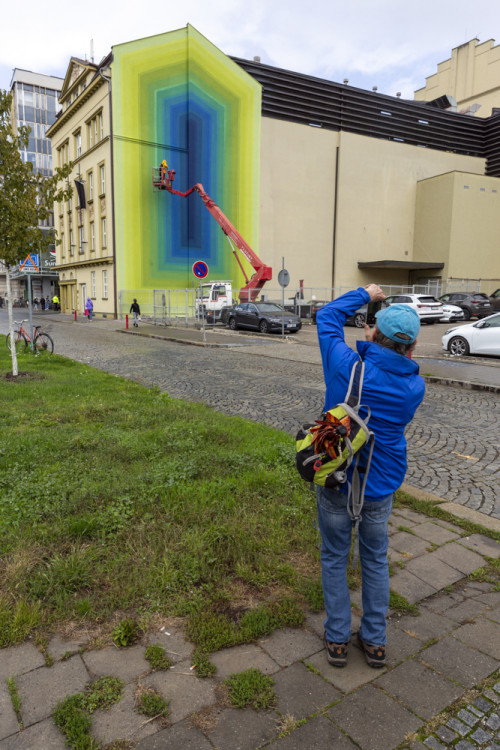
[{"x": 336, "y": 529}]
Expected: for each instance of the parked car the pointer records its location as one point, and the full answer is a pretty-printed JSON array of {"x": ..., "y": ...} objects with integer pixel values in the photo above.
[
  {"x": 452, "y": 313},
  {"x": 429, "y": 309},
  {"x": 481, "y": 337},
  {"x": 472, "y": 303},
  {"x": 495, "y": 299},
  {"x": 316, "y": 305},
  {"x": 365, "y": 314},
  {"x": 264, "y": 317}
]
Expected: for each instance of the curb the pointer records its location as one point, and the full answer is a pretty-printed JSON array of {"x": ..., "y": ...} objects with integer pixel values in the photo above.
[
  {"x": 460, "y": 511},
  {"x": 467, "y": 384}
]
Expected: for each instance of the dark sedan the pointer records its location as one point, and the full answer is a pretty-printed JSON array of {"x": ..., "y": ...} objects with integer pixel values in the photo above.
[
  {"x": 264, "y": 317},
  {"x": 495, "y": 300}
]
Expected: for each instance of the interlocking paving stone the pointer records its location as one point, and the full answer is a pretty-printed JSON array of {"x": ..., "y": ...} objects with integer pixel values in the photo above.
[
  {"x": 493, "y": 722},
  {"x": 466, "y": 610},
  {"x": 288, "y": 645},
  {"x": 459, "y": 557},
  {"x": 301, "y": 693},
  {"x": 174, "y": 643},
  {"x": 238, "y": 658},
  {"x": 400, "y": 645},
  {"x": 347, "y": 678},
  {"x": 491, "y": 598},
  {"x": 483, "y": 634},
  {"x": 434, "y": 744},
  {"x": 493, "y": 614},
  {"x": 409, "y": 515},
  {"x": 8, "y": 719},
  {"x": 239, "y": 729},
  {"x": 42, "y": 736},
  {"x": 43, "y": 688},
  {"x": 419, "y": 688},
  {"x": 371, "y": 704},
  {"x": 182, "y": 736},
  {"x": 425, "y": 625},
  {"x": 186, "y": 692},
  {"x": 57, "y": 647},
  {"x": 483, "y": 545},
  {"x": 317, "y": 734},
  {"x": 20, "y": 659},
  {"x": 480, "y": 736},
  {"x": 433, "y": 532},
  {"x": 467, "y": 717},
  {"x": 441, "y": 602},
  {"x": 122, "y": 721},
  {"x": 431, "y": 568},
  {"x": 458, "y": 726},
  {"x": 446, "y": 734},
  {"x": 408, "y": 543},
  {"x": 410, "y": 586},
  {"x": 127, "y": 663},
  {"x": 458, "y": 662}
]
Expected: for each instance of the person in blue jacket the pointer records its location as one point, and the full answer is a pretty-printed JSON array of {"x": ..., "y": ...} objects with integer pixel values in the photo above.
[{"x": 392, "y": 390}]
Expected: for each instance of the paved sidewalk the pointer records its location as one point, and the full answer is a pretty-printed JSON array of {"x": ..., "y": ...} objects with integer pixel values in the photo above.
[{"x": 435, "y": 660}]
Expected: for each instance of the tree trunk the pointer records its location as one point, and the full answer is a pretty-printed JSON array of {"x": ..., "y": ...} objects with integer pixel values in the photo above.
[{"x": 10, "y": 301}]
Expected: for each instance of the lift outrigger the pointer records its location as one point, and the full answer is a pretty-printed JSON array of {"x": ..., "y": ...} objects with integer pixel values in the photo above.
[{"x": 163, "y": 179}]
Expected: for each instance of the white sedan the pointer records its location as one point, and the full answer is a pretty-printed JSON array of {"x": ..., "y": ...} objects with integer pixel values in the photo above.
[
  {"x": 451, "y": 313},
  {"x": 482, "y": 337}
]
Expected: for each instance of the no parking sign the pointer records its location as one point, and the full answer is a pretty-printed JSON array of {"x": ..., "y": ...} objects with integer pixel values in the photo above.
[{"x": 200, "y": 269}]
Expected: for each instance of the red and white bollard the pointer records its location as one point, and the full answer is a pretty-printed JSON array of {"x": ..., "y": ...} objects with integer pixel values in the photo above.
[
  {"x": 126, "y": 322},
  {"x": 75, "y": 314}
]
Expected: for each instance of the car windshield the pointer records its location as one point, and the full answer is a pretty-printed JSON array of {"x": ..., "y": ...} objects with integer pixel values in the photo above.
[
  {"x": 421, "y": 298},
  {"x": 268, "y": 307},
  {"x": 479, "y": 296}
]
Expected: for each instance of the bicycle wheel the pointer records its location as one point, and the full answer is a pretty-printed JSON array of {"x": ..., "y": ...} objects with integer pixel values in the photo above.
[
  {"x": 43, "y": 344},
  {"x": 19, "y": 340}
]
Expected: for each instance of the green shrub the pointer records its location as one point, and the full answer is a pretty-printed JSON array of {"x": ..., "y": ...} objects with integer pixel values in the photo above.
[{"x": 251, "y": 688}]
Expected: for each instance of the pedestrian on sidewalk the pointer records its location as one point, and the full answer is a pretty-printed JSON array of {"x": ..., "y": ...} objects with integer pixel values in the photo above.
[
  {"x": 42, "y": 303},
  {"x": 392, "y": 391},
  {"x": 55, "y": 300},
  {"x": 89, "y": 307},
  {"x": 136, "y": 310}
]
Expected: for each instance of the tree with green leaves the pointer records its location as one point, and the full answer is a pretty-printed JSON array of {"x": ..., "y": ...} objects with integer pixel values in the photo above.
[{"x": 26, "y": 200}]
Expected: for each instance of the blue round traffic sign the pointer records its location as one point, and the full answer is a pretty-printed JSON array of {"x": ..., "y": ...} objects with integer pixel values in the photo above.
[{"x": 200, "y": 269}]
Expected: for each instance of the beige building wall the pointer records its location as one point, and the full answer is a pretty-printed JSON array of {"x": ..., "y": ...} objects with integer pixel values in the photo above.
[
  {"x": 297, "y": 201},
  {"x": 84, "y": 257},
  {"x": 375, "y": 195},
  {"x": 471, "y": 75},
  {"x": 458, "y": 217}
]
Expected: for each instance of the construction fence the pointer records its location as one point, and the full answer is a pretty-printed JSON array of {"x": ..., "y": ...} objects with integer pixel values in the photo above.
[{"x": 165, "y": 307}]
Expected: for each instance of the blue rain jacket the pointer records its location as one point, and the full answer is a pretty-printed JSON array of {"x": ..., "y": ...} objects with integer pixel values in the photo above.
[{"x": 392, "y": 389}]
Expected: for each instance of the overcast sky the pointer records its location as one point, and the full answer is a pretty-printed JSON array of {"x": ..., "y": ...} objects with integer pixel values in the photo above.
[{"x": 391, "y": 44}]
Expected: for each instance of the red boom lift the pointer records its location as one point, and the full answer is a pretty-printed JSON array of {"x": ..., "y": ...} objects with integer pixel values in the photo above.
[{"x": 163, "y": 179}]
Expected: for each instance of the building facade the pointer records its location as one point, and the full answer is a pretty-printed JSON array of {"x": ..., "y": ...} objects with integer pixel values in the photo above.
[
  {"x": 35, "y": 105},
  {"x": 340, "y": 183},
  {"x": 81, "y": 134},
  {"x": 471, "y": 76}
]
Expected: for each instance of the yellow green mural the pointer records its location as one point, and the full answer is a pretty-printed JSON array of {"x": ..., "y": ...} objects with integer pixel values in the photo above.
[{"x": 177, "y": 97}]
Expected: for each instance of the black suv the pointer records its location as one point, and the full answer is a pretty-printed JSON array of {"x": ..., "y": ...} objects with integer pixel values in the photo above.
[{"x": 472, "y": 303}]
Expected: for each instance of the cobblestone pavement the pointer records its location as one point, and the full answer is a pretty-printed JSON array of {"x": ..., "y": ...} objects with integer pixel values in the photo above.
[{"x": 453, "y": 442}]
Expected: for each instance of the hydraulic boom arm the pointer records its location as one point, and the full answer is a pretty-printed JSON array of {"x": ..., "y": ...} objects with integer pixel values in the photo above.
[{"x": 163, "y": 179}]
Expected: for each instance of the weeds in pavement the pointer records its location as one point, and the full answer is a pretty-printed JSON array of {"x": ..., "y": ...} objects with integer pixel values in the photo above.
[
  {"x": 157, "y": 658},
  {"x": 401, "y": 606},
  {"x": 151, "y": 704},
  {"x": 126, "y": 632},
  {"x": 204, "y": 667},
  {"x": 15, "y": 698},
  {"x": 73, "y": 715},
  {"x": 251, "y": 688}
]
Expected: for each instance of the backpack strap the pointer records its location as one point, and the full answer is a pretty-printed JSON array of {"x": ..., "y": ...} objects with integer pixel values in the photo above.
[{"x": 353, "y": 395}]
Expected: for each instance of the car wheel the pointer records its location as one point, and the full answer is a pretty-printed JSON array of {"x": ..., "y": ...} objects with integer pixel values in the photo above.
[
  {"x": 224, "y": 316},
  {"x": 263, "y": 326},
  {"x": 467, "y": 314},
  {"x": 458, "y": 346},
  {"x": 359, "y": 320},
  {"x": 232, "y": 324}
]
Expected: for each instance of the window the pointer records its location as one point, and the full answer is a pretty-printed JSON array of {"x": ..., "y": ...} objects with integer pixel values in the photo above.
[
  {"x": 103, "y": 179},
  {"x": 89, "y": 134},
  {"x": 92, "y": 236},
  {"x": 91, "y": 186},
  {"x": 92, "y": 284},
  {"x": 78, "y": 144},
  {"x": 81, "y": 240},
  {"x": 63, "y": 249},
  {"x": 94, "y": 122},
  {"x": 103, "y": 232},
  {"x": 101, "y": 128},
  {"x": 105, "y": 284},
  {"x": 71, "y": 243}
]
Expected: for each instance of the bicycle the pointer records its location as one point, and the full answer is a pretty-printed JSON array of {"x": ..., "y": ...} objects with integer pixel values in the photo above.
[{"x": 42, "y": 342}]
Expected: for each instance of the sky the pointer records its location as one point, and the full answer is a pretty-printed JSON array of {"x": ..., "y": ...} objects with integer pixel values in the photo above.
[{"x": 391, "y": 44}]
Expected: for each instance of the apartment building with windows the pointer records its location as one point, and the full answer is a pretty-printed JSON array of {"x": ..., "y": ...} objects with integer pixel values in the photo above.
[
  {"x": 82, "y": 134},
  {"x": 35, "y": 105}
]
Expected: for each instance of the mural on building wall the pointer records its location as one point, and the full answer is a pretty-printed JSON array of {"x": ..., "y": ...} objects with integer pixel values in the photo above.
[{"x": 177, "y": 97}]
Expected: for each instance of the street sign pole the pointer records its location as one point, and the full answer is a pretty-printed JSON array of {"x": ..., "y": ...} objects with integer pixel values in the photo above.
[{"x": 283, "y": 280}]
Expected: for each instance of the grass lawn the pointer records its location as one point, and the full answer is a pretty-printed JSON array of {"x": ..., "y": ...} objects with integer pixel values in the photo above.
[{"x": 116, "y": 498}]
